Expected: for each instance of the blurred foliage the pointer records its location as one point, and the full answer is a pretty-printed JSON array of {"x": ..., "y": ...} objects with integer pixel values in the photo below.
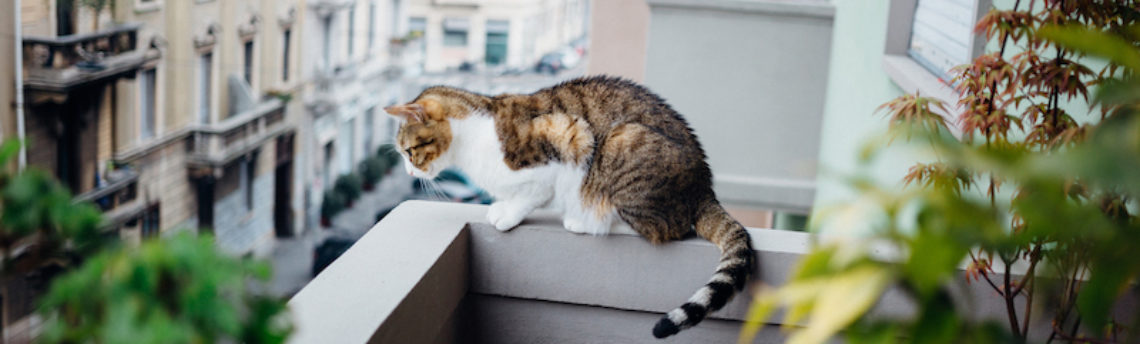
[
  {"x": 332, "y": 203},
  {"x": 173, "y": 290},
  {"x": 1068, "y": 218},
  {"x": 389, "y": 154},
  {"x": 372, "y": 169},
  {"x": 40, "y": 225},
  {"x": 351, "y": 186},
  {"x": 177, "y": 290}
]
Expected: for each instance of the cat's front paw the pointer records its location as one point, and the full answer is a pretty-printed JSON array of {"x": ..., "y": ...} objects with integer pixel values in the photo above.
[{"x": 503, "y": 217}]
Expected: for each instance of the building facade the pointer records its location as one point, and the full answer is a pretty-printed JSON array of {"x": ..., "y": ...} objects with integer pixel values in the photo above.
[
  {"x": 168, "y": 115},
  {"x": 358, "y": 55},
  {"x": 507, "y": 34}
]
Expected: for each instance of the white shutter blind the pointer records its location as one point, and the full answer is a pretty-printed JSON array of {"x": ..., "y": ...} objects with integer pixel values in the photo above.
[{"x": 942, "y": 34}]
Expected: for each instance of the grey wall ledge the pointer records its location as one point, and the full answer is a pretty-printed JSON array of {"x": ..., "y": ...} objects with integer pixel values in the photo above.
[
  {"x": 436, "y": 273},
  {"x": 808, "y": 8}
]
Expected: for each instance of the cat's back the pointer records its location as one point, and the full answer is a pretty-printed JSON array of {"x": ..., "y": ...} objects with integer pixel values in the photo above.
[{"x": 607, "y": 102}]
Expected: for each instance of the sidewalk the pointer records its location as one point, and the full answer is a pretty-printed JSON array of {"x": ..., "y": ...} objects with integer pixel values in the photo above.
[{"x": 292, "y": 258}]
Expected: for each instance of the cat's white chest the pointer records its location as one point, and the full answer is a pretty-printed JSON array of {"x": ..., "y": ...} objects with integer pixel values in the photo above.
[{"x": 479, "y": 154}]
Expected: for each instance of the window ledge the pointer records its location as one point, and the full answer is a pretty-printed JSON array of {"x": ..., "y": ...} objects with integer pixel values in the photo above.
[
  {"x": 912, "y": 77},
  {"x": 807, "y": 8}
]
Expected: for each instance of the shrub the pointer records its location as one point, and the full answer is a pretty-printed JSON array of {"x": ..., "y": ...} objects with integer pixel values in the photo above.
[
  {"x": 372, "y": 170},
  {"x": 350, "y": 185},
  {"x": 332, "y": 203},
  {"x": 389, "y": 154},
  {"x": 171, "y": 290}
]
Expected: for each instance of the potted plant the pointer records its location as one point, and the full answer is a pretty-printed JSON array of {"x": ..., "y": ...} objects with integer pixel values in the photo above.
[
  {"x": 331, "y": 204},
  {"x": 388, "y": 153},
  {"x": 351, "y": 186},
  {"x": 371, "y": 170}
]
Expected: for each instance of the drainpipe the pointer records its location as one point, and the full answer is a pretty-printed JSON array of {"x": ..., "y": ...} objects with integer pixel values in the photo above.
[{"x": 19, "y": 50}]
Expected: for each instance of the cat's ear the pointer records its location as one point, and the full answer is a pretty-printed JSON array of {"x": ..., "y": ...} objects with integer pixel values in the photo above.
[{"x": 410, "y": 112}]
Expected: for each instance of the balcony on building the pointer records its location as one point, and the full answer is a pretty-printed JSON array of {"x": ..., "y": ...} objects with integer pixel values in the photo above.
[
  {"x": 252, "y": 122},
  {"x": 332, "y": 87},
  {"x": 405, "y": 58},
  {"x": 60, "y": 64},
  {"x": 116, "y": 196}
]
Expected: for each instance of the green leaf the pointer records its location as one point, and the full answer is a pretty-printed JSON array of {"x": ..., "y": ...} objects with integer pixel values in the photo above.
[
  {"x": 844, "y": 299},
  {"x": 1095, "y": 43}
]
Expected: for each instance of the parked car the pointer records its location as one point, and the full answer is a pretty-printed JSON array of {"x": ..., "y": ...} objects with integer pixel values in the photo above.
[
  {"x": 451, "y": 185},
  {"x": 328, "y": 251},
  {"x": 550, "y": 63}
]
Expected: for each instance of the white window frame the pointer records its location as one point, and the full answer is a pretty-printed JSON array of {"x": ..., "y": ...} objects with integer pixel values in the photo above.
[
  {"x": 912, "y": 76},
  {"x": 209, "y": 87},
  {"x": 147, "y": 5},
  {"x": 143, "y": 98},
  {"x": 286, "y": 57}
]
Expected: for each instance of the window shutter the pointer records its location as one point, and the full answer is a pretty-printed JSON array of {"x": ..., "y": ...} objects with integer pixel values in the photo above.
[{"x": 942, "y": 35}]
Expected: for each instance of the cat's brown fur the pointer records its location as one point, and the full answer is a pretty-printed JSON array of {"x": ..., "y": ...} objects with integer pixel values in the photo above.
[{"x": 641, "y": 157}]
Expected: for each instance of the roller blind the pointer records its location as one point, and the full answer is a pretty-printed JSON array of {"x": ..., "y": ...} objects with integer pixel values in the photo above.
[{"x": 942, "y": 35}]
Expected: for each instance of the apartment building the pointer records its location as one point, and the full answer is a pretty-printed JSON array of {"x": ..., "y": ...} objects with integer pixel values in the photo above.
[
  {"x": 508, "y": 34},
  {"x": 359, "y": 54},
  {"x": 169, "y": 115}
]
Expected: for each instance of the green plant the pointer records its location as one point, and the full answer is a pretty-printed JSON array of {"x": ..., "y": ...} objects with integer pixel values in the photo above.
[
  {"x": 332, "y": 203},
  {"x": 1067, "y": 218},
  {"x": 41, "y": 229},
  {"x": 389, "y": 154},
  {"x": 174, "y": 290},
  {"x": 350, "y": 185},
  {"x": 372, "y": 169}
]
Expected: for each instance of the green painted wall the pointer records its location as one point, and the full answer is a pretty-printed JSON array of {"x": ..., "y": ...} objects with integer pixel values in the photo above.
[{"x": 857, "y": 85}]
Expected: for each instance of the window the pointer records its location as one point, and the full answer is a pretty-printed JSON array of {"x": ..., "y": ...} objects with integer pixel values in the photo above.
[
  {"x": 248, "y": 63},
  {"x": 351, "y": 31},
  {"x": 285, "y": 42},
  {"x": 205, "y": 86},
  {"x": 455, "y": 32},
  {"x": 248, "y": 172},
  {"x": 496, "y": 52},
  {"x": 326, "y": 30},
  {"x": 925, "y": 38},
  {"x": 149, "y": 221},
  {"x": 942, "y": 33},
  {"x": 371, "y": 25},
  {"x": 416, "y": 26},
  {"x": 369, "y": 126},
  {"x": 147, "y": 84}
]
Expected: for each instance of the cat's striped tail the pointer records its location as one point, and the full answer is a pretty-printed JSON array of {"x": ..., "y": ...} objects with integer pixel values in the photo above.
[{"x": 736, "y": 263}]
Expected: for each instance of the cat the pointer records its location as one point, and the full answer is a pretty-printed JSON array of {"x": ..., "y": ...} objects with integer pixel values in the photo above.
[{"x": 602, "y": 150}]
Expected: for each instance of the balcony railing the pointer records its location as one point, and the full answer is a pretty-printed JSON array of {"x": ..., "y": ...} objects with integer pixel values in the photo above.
[
  {"x": 331, "y": 88},
  {"x": 405, "y": 57},
  {"x": 437, "y": 273},
  {"x": 117, "y": 198},
  {"x": 216, "y": 144},
  {"x": 60, "y": 63}
]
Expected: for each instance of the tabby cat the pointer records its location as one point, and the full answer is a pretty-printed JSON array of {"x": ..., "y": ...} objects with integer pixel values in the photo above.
[{"x": 601, "y": 150}]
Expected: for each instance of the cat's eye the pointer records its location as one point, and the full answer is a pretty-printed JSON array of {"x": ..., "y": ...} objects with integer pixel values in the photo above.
[{"x": 425, "y": 143}]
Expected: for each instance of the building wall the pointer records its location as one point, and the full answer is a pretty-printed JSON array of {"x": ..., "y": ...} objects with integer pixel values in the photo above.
[
  {"x": 240, "y": 229},
  {"x": 619, "y": 29},
  {"x": 756, "y": 109},
  {"x": 7, "y": 72},
  {"x": 850, "y": 119},
  {"x": 536, "y": 28}
]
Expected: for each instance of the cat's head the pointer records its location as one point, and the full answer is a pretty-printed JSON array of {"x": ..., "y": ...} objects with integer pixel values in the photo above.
[{"x": 425, "y": 131}]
